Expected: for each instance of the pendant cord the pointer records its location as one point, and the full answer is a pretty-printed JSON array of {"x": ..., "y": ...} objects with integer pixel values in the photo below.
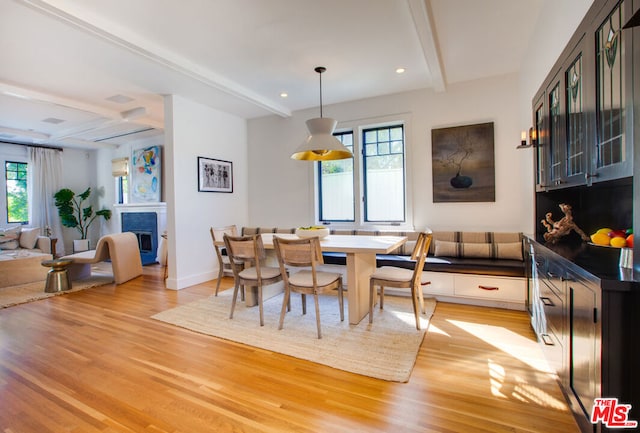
[{"x": 320, "y": 94}]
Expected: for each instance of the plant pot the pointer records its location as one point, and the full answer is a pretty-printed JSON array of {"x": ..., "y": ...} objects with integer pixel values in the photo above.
[{"x": 80, "y": 245}]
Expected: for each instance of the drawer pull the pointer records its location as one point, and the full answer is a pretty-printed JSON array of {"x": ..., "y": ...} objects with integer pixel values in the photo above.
[
  {"x": 488, "y": 287},
  {"x": 547, "y": 340},
  {"x": 547, "y": 302}
]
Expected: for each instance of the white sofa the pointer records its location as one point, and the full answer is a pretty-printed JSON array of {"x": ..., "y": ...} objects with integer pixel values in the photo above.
[{"x": 22, "y": 250}]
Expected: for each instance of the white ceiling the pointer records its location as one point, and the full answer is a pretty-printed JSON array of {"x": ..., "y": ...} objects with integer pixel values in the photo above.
[{"x": 62, "y": 59}]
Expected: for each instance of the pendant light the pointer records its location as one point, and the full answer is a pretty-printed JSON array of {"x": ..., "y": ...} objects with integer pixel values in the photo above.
[{"x": 321, "y": 145}]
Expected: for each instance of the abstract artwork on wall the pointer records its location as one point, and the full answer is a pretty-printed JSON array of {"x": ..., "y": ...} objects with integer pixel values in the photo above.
[
  {"x": 145, "y": 175},
  {"x": 463, "y": 163}
]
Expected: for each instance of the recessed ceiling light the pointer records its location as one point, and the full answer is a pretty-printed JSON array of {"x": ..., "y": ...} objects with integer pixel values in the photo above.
[
  {"x": 53, "y": 120},
  {"x": 284, "y": 95},
  {"x": 400, "y": 71},
  {"x": 120, "y": 99}
]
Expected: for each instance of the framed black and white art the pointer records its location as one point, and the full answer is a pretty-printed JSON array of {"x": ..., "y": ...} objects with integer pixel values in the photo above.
[{"x": 215, "y": 175}]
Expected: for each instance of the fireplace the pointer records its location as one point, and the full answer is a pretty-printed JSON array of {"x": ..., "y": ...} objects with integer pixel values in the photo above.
[
  {"x": 145, "y": 226},
  {"x": 147, "y": 221}
]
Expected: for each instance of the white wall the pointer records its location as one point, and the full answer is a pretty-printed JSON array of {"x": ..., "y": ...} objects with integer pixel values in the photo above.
[
  {"x": 281, "y": 189},
  {"x": 556, "y": 24},
  {"x": 194, "y": 130}
]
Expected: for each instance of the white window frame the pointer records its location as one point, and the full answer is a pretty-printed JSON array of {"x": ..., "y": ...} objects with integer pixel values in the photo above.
[{"x": 358, "y": 126}]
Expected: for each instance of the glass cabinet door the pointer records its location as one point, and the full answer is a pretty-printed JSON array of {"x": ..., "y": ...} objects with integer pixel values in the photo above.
[
  {"x": 613, "y": 147},
  {"x": 575, "y": 123},
  {"x": 555, "y": 139},
  {"x": 541, "y": 147}
]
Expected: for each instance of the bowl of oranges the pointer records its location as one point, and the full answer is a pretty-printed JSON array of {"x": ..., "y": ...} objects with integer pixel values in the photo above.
[{"x": 606, "y": 237}]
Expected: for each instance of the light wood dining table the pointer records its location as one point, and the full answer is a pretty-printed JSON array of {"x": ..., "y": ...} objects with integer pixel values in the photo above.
[{"x": 361, "y": 253}]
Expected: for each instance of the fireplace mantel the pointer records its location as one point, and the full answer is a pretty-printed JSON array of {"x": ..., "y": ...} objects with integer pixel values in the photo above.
[{"x": 160, "y": 208}]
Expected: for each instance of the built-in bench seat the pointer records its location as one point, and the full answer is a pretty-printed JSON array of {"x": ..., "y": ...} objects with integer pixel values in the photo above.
[{"x": 481, "y": 268}]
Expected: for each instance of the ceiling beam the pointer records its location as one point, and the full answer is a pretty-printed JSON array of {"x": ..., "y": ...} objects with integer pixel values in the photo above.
[
  {"x": 47, "y": 98},
  {"x": 86, "y": 21},
  {"x": 422, "y": 21}
]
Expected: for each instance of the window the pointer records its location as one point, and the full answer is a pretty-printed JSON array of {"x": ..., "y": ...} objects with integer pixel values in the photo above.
[
  {"x": 122, "y": 189},
  {"x": 335, "y": 185},
  {"x": 16, "y": 189},
  {"x": 384, "y": 174},
  {"x": 370, "y": 188},
  {"x": 120, "y": 172}
]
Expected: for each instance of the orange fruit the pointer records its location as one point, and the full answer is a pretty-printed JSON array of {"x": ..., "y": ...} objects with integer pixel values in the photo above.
[
  {"x": 604, "y": 231},
  {"x": 600, "y": 238},
  {"x": 630, "y": 240},
  {"x": 618, "y": 242}
]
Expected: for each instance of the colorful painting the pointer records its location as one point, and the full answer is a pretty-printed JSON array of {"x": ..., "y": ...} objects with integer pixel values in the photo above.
[
  {"x": 145, "y": 175},
  {"x": 463, "y": 164}
]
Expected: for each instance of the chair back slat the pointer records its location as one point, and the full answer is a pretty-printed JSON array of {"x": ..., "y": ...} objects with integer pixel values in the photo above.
[
  {"x": 217, "y": 235},
  {"x": 218, "y": 232},
  {"x": 299, "y": 252},
  {"x": 419, "y": 254}
]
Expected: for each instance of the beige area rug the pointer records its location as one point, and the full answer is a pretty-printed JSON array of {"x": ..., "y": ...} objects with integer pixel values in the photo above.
[
  {"x": 386, "y": 350},
  {"x": 101, "y": 274}
]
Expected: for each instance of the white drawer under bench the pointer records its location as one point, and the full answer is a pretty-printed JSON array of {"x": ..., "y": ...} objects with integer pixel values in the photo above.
[{"x": 474, "y": 289}]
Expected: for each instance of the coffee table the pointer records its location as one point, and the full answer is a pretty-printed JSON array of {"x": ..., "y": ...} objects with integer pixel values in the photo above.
[{"x": 58, "y": 277}]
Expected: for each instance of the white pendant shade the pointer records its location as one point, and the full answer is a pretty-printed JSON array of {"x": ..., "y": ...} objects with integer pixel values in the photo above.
[{"x": 321, "y": 145}]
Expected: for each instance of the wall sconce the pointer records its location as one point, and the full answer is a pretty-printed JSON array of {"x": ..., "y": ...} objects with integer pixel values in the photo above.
[{"x": 531, "y": 136}]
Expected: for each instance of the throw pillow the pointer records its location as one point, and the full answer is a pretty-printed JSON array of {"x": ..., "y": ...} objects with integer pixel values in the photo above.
[
  {"x": 509, "y": 250},
  {"x": 8, "y": 245},
  {"x": 29, "y": 237},
  {"x": 9, "y": 238},
  {"x": 502, "y": 250}
]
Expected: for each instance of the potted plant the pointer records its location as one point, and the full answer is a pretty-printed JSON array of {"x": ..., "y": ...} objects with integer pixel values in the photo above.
[{"x": 74, "y": 214}]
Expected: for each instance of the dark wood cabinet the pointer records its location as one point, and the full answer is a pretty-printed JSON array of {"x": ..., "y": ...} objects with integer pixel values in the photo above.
[
  {"x": 587, "y": 326},
  {"x": 584, "y": 341},
  {"x": 566, "y": 310},
  {"x": 583, "y": 113}
]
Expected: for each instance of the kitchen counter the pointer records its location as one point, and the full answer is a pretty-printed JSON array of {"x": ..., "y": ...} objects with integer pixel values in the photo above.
[{"x": 602, "y": 262}]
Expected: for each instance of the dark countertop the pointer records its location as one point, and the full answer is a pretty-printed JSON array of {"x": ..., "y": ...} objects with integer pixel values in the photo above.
[{"x": 602, "y": 262}]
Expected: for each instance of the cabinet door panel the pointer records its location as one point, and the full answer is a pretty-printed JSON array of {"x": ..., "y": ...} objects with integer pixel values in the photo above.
[
  {"x": 614, "y": 109},
  {"x": 584, "y": 345},
  {"x": 553, "y": 307}
]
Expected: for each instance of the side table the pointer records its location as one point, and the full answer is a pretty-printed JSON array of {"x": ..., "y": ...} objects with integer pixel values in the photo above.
[{"x": 58, "y": 277}]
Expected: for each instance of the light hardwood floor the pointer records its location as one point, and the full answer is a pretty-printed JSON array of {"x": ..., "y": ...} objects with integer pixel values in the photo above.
[{"x": 94, "y": 361}]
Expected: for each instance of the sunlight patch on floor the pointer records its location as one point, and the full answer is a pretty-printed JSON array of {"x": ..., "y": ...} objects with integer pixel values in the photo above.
[
  {"x": 433, "y": 329},
  {"x": 508, "y": 341},
  {"x": 410, "y": 319},
  {"x": 522, "y": 391}
]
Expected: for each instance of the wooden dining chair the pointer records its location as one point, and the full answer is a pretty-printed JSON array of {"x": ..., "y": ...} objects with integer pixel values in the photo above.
[
  {"x": 249, "y": 250},
  {"x": 224, "y": 264},
  {"x": 391, "y": 276},
  {"x": 305, "y": 253}
]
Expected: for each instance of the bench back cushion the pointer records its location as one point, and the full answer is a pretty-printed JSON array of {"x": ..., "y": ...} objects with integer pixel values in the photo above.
[{"x": 490, "y": 245}]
